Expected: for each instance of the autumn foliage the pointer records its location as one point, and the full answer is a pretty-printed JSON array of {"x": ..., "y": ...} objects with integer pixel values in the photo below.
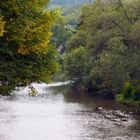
[{"x": 26, "y": 54}]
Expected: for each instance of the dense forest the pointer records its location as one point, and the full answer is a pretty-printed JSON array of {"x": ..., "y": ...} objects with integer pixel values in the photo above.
[{"x": 103, "y": 55}]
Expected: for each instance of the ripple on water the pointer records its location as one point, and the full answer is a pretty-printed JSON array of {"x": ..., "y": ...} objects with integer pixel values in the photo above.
[{"x": 49, "y": 117}]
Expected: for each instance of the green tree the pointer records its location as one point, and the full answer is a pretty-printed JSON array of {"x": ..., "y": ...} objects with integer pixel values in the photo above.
[
  {"x": 109, "y": 32},
  {"x": 26, "y": 54},
  {"x": 60, "y": 33}
]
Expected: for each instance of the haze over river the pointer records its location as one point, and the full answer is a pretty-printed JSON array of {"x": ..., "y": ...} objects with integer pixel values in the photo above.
[{"x": 58, "y": 113}]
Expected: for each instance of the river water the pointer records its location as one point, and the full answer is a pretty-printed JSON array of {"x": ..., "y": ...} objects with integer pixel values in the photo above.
[{"x": 58, "y": 113}]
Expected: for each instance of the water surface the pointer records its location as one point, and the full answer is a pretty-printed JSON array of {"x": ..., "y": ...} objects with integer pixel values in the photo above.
[{"x": 61, "y": 114}]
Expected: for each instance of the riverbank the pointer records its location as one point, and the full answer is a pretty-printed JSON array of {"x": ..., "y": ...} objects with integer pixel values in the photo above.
[
  {"x": 120, "y": 98},
  {"x": 130, "y": 95},
  {"x": 129, "y": 102}
]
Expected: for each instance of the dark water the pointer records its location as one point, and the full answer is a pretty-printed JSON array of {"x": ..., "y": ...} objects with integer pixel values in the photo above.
[{"x": 59, "y": 114}]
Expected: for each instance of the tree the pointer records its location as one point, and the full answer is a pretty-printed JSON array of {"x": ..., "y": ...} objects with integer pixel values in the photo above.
[
  {"x": 26, "y": 54},
  {"x": 109, "y": 32},
  {"x": 60, "y": 33}
]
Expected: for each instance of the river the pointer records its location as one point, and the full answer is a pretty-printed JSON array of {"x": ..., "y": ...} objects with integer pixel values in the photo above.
[{"x": 58, "y": 113}]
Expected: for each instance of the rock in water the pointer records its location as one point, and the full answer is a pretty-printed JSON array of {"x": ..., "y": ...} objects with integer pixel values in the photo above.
[{"x": 33, "y": 91}]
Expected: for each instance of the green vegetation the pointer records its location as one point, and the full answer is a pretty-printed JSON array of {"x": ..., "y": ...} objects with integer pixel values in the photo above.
[
  {"x": 65, "y": 24},
  {"x": 26, "y": 54},
  {"x": 63, "y": 29},
  {"x": 130, "y": 95},
  {"x": 104, "y": 53},
  {"x": 68, "y": 12},
  {"x": 60, "y": 32}
]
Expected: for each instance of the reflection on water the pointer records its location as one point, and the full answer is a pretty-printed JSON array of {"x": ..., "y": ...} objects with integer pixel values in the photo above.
[{"x": 68, "y": 116}]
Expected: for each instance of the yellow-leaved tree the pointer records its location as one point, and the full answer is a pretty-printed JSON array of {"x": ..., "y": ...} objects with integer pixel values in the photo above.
[{"x": 26, "y": 54}]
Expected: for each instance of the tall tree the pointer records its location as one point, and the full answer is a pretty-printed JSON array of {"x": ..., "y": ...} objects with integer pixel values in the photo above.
[{"x": 26, "y": 54}]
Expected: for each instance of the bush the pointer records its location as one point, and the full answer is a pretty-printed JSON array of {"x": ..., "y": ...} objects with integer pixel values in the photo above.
[
  {"x": 135, "y": 94},
  {"x": 127, "y": 90},
  {"x": 130, "y": 95}
]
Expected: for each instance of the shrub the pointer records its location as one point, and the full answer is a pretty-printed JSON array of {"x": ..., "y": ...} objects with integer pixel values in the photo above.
[
  {"x": 135, "y": 94},
  {"x": 127, "y": 90}
]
